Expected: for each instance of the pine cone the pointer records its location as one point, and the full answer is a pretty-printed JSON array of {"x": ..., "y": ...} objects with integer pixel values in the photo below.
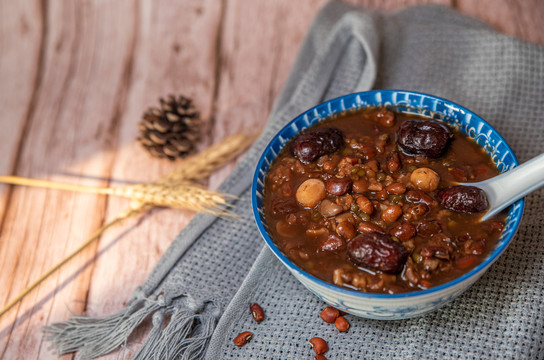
[{"x": 171, "y": 131}]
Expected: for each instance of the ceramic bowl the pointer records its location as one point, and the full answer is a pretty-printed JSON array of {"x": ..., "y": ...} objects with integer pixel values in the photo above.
[{"x": 405, "y": 305}]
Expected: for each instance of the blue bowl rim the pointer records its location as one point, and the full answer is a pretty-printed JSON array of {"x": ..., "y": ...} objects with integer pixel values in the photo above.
[{"x": 366, "y": 295}]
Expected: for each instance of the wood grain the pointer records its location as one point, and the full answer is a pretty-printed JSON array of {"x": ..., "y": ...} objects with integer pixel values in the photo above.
[
  {"x": 75, "y": 78},
  {"x": 21, "y": 37}
]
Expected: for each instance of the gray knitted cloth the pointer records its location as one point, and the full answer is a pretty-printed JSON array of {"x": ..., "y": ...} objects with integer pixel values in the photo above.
[{"x": 198, "y": 294}]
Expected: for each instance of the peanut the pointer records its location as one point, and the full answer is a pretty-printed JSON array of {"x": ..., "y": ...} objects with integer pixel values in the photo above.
[
  {"x": 392, "y": 213},
  {"x": 365, "y": 205},
  {"x": 396, "y": 188}
]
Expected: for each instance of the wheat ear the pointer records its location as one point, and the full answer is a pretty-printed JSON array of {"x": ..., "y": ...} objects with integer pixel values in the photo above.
[{"x": 206, "y": 162}]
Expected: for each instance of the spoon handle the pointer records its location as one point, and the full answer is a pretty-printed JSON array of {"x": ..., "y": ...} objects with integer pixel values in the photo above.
[{"x": 507, "y": 188}]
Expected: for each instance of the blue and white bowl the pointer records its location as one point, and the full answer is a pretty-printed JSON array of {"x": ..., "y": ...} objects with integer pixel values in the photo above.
[{"x": 406, "y": 305}]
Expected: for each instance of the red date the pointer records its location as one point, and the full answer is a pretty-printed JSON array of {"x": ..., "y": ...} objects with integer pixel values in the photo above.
[
  {"x": 465, "y": 199},
  {"x": 377, "y": 251},
  {"x": 311, "y": 144},
  {"x": 423, "y": 137}
]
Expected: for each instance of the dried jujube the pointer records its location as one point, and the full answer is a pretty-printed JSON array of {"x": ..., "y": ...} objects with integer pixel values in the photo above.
[
  {"x": 377, "y": 251},
  {"x": 312, "y": 144},
  {"x": 423, "y": 137},
  {"x": 465, "y": 199}
]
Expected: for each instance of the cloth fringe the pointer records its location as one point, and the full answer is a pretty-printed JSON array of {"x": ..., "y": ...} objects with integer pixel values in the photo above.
[{"x": 179, "y": 332}]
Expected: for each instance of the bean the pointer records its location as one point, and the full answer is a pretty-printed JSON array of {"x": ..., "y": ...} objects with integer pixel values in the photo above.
[
  {"x": 257, "y": 312},
  {"x": 425, "y": 179},
  {"x": 439, "y": 252},
  {"x": 354, "y": 207},
  {"x": 242, "y": 338},
  {"x": 363, "y": 216},
  {"x": 424, "y": 284},
  {"x": 418, "y": 211},
  {"x": 341, "y": 324},
  {"x": 368, "y": 151},
  {"x": 331, "y": 243},
  {"x": 428, "y": 228},
  {"x": 346, "y": 230},
  {"x": 319, "y": 345},
  {"x": 373, "y": 165},
  {"x": 311, "y": 192},
  {"x": 418, "y": 196},
  {"x": 360, "y": 186},
  {"x": 393, "y": 162},
  {"x": 329, "y": 208},
  {"x": 381, "y": 194},
  {"x": 338, "y": 187},
  {"x": 396, "y": 198},
  {"x": 317, "y": 232},
  {"x": 365, "y": 205},
  {"x": 329, "y": 314},
  {"x": 396, "y": 188},
  {"x": 405, "y": 231},
  {"x": 392, "y": 213},
  {"x": 369, "y": 227},
  {"x": 386, "y": 118},
  {"x": 417, "y": 258}
]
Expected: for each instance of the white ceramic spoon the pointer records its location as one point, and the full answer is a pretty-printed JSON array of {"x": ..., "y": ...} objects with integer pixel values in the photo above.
[{"x": 505, "y": 189}]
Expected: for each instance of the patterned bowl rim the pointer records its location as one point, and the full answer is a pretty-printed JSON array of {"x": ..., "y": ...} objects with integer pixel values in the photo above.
[{"x": 376, "y": 94}]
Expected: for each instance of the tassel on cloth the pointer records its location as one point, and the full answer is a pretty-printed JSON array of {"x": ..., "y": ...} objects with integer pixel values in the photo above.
[{"x": 180, "y": 331}]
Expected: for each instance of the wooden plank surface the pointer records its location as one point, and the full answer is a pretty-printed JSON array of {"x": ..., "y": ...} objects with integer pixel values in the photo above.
[{"x": 75, "y": 78}]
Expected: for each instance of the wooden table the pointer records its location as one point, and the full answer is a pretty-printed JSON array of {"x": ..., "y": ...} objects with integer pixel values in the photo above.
[{"x": 75, "y": 78}]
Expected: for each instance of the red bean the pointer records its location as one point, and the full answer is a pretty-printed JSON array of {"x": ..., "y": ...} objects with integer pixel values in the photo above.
[
  {"x": 329, "y": 314},
  {"x": 257, "y": 312},
  {"x": 339, "y": 187},
  {"x": 242, "y": 338},
  {"x": 405, "y": 231},
  {"x": 396, "y": 188},
  {"x": 365, "y": 205},
  {"x": 341, "y": 324},
  {"x": 319, "y": 345},
  {"x": 392, "y": 213}
]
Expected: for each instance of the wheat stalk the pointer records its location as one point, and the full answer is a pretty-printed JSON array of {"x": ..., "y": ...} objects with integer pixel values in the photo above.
[
  {"x": 173, "y": 190},
  {"x": 180, "y": 196},
  {"x": 206, "y": 162},
  {"x": 183, "y": 195}
]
